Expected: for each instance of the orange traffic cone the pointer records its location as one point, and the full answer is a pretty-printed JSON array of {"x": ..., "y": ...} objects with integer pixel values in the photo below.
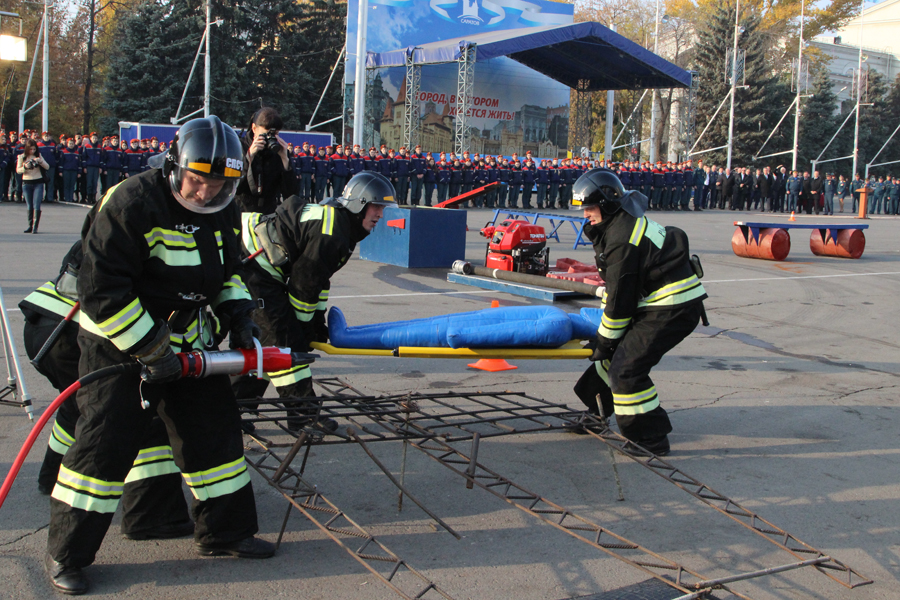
[
  {"x": 792, "y": 217},
  {"x": 492, "y": 365}
]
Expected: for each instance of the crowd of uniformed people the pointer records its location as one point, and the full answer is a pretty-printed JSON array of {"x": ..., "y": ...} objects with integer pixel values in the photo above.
[{"x": 79, "y": 167}]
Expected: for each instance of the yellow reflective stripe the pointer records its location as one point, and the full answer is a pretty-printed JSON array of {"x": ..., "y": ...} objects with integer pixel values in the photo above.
[
  {"x": 159, "y": 235},
  {"x": 323, "y": 300},
  {"x": 176, "y": 258},
  {"x": 123, "y": 319},
  {"x": 328, "y": 220},
  {"x": 108, "y": 195},
  {"x": 154, "y": 469},
  {"x": 249, "y": 221},
  {"x": 127, "y": 339},
  {"x": 84, "y": 501},
  {"x": 198, "y": 166},
  {"x": 155, "y": 453},
  {"x": 611, "y": 334},
  {"x": 59, "y": 441},
  {"x": 219, "y": 244},
  {"x": 234, "y": 289},
  {"x": 602, "y": 368},
  {"x": 219, "y": 481},
  {"x": 304, "y": 311},
  {"x": 92, "y": 485},
  {"x": 640, "y": 226},
  {"x": 289, "y": 376},
  {"x": 636, "y": 404},
  {"x": 673, "y": 288},
  {"x": 49, "y": 299}
]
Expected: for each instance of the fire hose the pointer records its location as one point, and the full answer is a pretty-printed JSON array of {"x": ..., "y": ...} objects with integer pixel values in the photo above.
[{"x": 197, "y": 364}]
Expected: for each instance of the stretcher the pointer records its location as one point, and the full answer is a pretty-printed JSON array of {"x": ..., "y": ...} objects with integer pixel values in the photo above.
[{"x": 572, "y": 349}]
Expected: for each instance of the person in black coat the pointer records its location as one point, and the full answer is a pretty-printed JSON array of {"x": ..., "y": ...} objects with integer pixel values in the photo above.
[
  {"x": 728, "y": 187},
  {"x": 764, "y": 185},
  {"x": 805, "y": 194},
  {"x": 816, "y": 187},
  {"x": 268, "y": 175}
]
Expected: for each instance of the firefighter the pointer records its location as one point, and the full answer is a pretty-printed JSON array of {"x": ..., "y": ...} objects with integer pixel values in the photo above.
[
  {"x": 653, "y": 300},
  {"x": 92, "y": 158},
  {"x": 113, "y": 160},
  {"x": 134, "y": 159},
  {"x": 305, "y": 244},
  {"x": 162, "y": 248},
  {"x": 71, "y": 164},
  {"x": 153, "y": 503}
]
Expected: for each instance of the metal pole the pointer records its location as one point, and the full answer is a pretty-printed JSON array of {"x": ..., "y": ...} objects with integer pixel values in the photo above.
[
  {"x": 309, "y": 125},
  {"x": 28, "y": 87},
  {"x": 610, "y": 106},
  {"x": 206, "y": 61},
  {"x": 858, "y": 92},
  {"x": 734, "y": 62},
  {"x": 45, "y": 95},
  {"x": 359, "y": 90},
  {"x": 797, "y": 100},
  {"x": 654, "y": 107}
]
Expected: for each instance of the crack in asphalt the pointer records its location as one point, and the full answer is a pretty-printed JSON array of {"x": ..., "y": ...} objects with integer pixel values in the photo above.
[
  {"x": 722, "y": 397},
  {"x": 868, "y": 389},
  {"x": 25, "y": 535}
]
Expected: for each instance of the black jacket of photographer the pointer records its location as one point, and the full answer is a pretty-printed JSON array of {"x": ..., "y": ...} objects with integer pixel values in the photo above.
[{"x": 265, "y": 180}]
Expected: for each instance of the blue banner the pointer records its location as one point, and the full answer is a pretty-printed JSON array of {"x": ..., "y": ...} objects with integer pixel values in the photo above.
[{"x": 514, "y": 108}]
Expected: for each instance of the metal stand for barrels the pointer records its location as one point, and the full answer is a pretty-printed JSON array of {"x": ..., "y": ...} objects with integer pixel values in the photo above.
[{"x": 14, "y": 393}]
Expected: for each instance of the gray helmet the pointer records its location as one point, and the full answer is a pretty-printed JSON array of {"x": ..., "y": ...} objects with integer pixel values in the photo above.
[
  {"x": 209, "y": 148},
  {"x": 363, "y": 189}
]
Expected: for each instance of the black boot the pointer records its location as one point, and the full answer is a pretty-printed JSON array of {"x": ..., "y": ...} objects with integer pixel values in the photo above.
[
  {"x": 37, "y": 221},
  {"x": 30, "y": 221},
  {"x": 68, "y": 580}
]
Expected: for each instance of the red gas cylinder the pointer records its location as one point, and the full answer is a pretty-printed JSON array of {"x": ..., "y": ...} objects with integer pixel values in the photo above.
[
  {"x": 850, "y": 243},
  {"x": 773, "y": 244}
]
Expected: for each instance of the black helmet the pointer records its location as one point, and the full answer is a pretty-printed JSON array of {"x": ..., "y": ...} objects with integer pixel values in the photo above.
[
  {"x": 363, "y": 189},
  {"x": 209, "y": 148},
  {"x": 598, "y": 187}
]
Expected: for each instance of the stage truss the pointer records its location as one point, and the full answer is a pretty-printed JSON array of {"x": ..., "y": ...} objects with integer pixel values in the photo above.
[{"x": 448, "y": 427}]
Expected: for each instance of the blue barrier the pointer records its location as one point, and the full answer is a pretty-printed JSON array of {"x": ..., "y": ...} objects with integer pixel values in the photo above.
[{"x": 577, "y": 223}]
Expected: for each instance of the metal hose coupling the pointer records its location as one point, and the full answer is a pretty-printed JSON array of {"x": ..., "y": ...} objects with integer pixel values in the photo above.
[{"x": 462, "y": 267}]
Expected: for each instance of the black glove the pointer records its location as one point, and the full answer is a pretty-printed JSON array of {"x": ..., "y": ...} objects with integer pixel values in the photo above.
[
  {"x": 603, "y": 350},
  {"x": 243, "y": 330},
  {"x": 161, "y": 365}
]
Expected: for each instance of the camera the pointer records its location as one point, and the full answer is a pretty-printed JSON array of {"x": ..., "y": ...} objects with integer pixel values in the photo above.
[
  {"x": 271, "y": 139},
  {"x": 30, "y": 164}
]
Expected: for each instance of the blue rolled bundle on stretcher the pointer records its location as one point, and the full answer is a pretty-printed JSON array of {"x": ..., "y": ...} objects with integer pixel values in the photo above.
[{"x": 508, "y": 327}]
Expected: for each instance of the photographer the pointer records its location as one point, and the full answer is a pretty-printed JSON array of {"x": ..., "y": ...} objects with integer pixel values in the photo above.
[
  {"x": 29, "y": 165},
  {"x": 268, "y": 173}
]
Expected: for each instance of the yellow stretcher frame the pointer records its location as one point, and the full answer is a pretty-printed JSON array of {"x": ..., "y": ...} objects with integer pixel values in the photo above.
[{"x": 570, "y": 350}]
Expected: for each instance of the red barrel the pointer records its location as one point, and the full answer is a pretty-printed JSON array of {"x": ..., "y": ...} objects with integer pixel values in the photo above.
[
  {"x": 850, "y": 243},
  {"x": 774, "y": 244}
]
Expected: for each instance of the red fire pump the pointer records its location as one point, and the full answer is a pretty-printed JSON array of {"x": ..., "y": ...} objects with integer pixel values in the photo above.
[{"x": 517, "y": 246}]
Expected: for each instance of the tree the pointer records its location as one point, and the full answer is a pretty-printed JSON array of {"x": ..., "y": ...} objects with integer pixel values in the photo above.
[
  {"x": 819, "y": 120},
  {"x": 757, "y": 107}
]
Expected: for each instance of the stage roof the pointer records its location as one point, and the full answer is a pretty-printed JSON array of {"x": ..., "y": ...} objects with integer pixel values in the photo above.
[{"x": 566, "y": 53}]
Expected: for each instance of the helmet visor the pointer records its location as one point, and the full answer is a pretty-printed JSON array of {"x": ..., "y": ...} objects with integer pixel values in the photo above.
[{"x": 191, "y": 190}]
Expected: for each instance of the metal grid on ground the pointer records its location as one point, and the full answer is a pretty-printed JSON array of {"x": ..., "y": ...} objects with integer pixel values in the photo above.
[{"x": 430, "y": 423}]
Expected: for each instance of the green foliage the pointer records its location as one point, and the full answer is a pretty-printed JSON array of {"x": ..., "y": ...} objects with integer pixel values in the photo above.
[
  {"x": 266, "y": 53},
  {"x": 757, "y": 107},
  {"x": 818, "y": 122}
]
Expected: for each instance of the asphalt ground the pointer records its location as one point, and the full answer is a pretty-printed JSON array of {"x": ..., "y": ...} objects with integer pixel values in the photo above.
[{"x": 786, "y": 403}]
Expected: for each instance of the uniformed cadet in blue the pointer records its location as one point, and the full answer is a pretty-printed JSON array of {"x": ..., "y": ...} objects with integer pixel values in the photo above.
[
  {"x": 553, "y": 189},
  {"x": 401, "y": 175},
  {"x": 113, "y": 160},
  {"x": 322, "y": 173},
  {"x": 429, "y": 180},
  {"x": 830, "y": 189},
  {"x": 92, "y": 155},
  {"x": 357, "y": 161},
  {"x": 340, "y": 170},
  {"x": 417, "y": 162}
]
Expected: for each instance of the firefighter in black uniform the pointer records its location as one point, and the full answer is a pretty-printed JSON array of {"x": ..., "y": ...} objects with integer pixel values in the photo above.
[
  {"x": 163, "y": 246},
  {"x": 305, "y": 244},
  {"x": 152, "y": 500},
  {"x": 653, "y": 300}
]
